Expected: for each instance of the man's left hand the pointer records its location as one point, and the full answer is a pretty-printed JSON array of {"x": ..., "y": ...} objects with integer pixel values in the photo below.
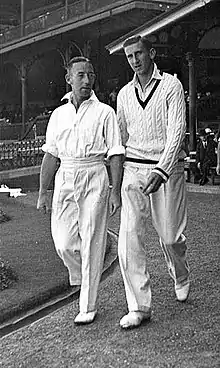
[
  {"x": 114, "y": 202},
  {"x": 153, "y": 184}
]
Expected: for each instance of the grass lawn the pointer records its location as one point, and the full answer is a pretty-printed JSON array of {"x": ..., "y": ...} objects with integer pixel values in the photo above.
[
  {"x": 26, "y": 245},
  {"x": 34, "y": 271}
]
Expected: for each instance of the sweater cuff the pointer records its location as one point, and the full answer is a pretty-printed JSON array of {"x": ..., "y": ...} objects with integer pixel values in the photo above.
[
  {"x": 162, "y": 173},
  {"x": 116, "y": 150}
]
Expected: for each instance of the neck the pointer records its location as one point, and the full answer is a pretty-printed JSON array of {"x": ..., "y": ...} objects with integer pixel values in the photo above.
[
  {"x": 145, "y": 77},
  {"x": 77, "y": 101}
]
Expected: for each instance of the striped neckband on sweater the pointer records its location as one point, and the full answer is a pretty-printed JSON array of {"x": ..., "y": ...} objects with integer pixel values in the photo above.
[{"x": 144, "y": 103}]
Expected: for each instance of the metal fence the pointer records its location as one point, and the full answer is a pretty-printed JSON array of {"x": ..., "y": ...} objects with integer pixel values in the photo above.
[
  {"x": 19, "y": 154},
  {"x": 32, "y": 129},
  {"x": 47, "y": 20}
]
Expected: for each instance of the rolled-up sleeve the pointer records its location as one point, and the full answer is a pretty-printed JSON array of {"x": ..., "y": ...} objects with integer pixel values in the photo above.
[
  {"x": 121, "y": 118},
  {"x": 112, "y": 135},
  {"x": 50, "y": 145}
]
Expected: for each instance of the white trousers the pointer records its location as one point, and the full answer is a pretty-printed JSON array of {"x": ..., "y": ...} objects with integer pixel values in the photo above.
[
  {"x": 79, "y": 224},
  {"x": 167, "y": 207}
]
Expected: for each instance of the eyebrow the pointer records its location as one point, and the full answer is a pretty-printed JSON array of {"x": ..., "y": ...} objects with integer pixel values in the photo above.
[{"x": 82, "y": 71}]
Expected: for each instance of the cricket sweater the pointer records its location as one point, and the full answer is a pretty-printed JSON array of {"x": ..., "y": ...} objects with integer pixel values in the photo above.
[{"x": 154, "y": 130}]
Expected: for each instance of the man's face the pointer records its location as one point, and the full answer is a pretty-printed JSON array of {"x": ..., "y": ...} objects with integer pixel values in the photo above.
[
  {"x": 81, "y": 77},
  {"x": 139, "y": 58}
]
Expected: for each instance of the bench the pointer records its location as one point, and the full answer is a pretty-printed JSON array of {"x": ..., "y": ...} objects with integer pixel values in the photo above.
[
  {"x": 189, "y": 168},
  {"x": 189, "y": 165},
  {"x": 213, "y": 174}
]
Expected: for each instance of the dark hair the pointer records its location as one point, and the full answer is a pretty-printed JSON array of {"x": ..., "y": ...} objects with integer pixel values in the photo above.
[
  {"x": 77, "y": 59},
  {"x": 134, "y": 39},
  {"x": 202, "y": 133}
]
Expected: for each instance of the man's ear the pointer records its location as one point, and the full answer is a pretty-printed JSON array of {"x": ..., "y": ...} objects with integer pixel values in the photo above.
[
  {"x": 67, "y": 77},
  {"x": 152, "y": 53}
]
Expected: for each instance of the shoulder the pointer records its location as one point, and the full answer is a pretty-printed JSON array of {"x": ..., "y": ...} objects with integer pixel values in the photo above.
[
  {"x": 61, "y": 107},
  {"x": 56, "y": 112},
  {"x": 171, "y": 80},
  {"x": 124, "y": 90},
  {"x": 103, "y": 108}
]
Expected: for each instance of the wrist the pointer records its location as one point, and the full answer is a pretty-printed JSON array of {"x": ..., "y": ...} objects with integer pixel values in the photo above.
[
  {"x": 42, "y": 191},
  {"x": 115, "y": 189}
]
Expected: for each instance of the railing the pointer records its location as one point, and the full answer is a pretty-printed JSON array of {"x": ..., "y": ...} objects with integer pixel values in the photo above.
[
  {"x": 21, "y": 154},
  {"x": 208, "y": 108},
  {"x": 59, "y": 16},
  {"x": 52, "y": 18},
  {"x": 37, "y": 127}
]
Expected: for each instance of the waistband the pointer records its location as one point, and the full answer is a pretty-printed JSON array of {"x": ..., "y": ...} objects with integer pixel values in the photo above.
[
  {"x": 149, "y": 162},
  {"x": 70, "y": 162}
]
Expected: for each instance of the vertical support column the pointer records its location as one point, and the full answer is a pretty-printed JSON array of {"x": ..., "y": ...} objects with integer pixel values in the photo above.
[
  {"x": 23, "y": 95},
  {"x": 99, "y": 62},
  {"x": 192, "y": 102},
  {"x": 67, "y": 57},
  {"x": 66, "y": 9},
  {"x": 86, "y": 6},
  {"x": 22, "y": 18}
]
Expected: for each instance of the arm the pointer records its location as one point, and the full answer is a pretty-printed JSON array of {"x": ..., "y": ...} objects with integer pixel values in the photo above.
[
  {"x": 121, "y": 119},
  {"x": 116, "y": 157},
  {"x": 49, "y": 163},
  {"x": 175, "y": 131},
  {"x": 198, "y": 147},
  {"x": 175, "y": 135},
  {"x": 218, "y": 159},
  {"x": 48, "y": 169},
  {"x": 116, "y": 170}
]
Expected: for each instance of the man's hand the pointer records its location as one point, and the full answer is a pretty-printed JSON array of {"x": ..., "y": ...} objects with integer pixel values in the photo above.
[
  {"x": 218, "y": 169},
  {"x": 153, "y": 184},
  {"x": 114, "y": 202},
  {"x": 43, "y": 203}
]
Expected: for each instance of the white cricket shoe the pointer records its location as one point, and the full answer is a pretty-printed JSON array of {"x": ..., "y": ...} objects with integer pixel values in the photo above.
[
  {"x": 134, "y": 319},
  {"x": 85, "y": 317},
  {"x": 182, "y": 291}
]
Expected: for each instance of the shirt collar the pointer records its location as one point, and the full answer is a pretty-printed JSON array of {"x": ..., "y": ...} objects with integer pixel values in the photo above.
[
  {"x": 68, "y": 95},
  {"x": 155, "y": 75}
]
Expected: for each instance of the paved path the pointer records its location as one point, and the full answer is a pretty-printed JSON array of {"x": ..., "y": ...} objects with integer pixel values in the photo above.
[{"x": 179, "y": 335}]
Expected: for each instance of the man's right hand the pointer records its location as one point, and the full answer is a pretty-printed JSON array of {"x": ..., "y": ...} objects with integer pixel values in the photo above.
[{"x": 43, "y": 203}]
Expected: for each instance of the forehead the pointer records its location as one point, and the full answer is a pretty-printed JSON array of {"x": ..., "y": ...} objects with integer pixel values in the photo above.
[
  {"x": 134, "y": 47},
  {"x": 83, "y": 67}
]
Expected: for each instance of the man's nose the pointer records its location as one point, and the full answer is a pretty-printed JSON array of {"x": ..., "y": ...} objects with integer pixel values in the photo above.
[
  {"x": 135, "y": 59},
  {"x": 86, "y": 79}
]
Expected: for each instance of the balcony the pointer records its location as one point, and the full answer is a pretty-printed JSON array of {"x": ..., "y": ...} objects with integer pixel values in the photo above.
[{"x": 74, "y": 12}]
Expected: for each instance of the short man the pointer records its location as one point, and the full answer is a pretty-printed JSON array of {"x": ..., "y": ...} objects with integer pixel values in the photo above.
[
  {"x": 151, "y": 115},
  {"x": 80, "y": 134},
  {"x": 218, "y": 153},
  {"x": 206, "y": 156}
]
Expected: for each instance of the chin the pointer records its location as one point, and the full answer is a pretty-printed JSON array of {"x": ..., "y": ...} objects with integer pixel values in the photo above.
[
  {"x": 141, "y": 71},
  {"x": 86, "y": 95}
]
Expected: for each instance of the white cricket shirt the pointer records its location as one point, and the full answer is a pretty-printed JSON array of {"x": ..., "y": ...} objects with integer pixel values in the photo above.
[{"x": 91, "y": 131}]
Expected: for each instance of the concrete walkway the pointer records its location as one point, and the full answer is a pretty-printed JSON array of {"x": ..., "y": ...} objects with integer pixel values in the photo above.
[{"x": 179, "y": 335}]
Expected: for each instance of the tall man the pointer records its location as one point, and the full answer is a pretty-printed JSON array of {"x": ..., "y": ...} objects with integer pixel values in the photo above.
[
  {"x": 151, "y": 115},
  {"x": 80, "y": 134}
]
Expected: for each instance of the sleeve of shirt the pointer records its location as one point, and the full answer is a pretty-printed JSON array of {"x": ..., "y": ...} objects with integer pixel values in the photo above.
[
  {"x": 112, "y": 135},
  {"x": 121, "y": 119},
  {"x": 50, "y": 145},
  {"x": 176, "y": 129}
]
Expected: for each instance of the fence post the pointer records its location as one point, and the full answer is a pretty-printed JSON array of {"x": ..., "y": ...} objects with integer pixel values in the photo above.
[{"x": 192, "y": 102}]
